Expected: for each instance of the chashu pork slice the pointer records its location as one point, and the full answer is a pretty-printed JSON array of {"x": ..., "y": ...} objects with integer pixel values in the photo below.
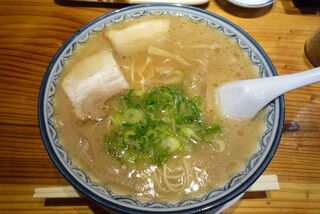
[
  {"x": 91, "y": 82},
  {"x": 140, "y": 35}
]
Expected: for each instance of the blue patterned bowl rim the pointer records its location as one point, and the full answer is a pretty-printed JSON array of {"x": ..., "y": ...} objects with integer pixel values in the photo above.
[{"x": 104, "y": 196}]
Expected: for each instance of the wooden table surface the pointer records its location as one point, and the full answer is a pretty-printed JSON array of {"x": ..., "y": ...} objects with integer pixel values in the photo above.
[{"x": 31, "y": 31}]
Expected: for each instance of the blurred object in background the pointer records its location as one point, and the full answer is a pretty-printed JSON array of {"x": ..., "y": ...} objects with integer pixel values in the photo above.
[
  {"x": 312, "y": 48},
  {"x": 307, "y": 6}
]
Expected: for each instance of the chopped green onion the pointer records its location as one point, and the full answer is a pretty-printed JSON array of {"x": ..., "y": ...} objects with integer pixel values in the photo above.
[
  {"x": 156, "y": 125},
  {"x": 133, "y": 116},
  {"x": 171, "y": 143}
]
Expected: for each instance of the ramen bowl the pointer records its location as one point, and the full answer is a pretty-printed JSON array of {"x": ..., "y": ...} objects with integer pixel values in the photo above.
[{"x": 214, "y": 200}]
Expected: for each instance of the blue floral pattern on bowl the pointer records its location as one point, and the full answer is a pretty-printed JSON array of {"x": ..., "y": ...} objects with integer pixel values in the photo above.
[{"x": 82, "y": 182}]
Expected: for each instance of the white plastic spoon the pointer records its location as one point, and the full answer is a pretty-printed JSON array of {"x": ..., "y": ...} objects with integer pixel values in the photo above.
[{"x": 245, "y": 98}]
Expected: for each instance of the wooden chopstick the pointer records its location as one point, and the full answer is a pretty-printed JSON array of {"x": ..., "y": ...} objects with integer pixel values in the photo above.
[
  {"x": 264, "y": 183},
  {"x": 56, "y": 192}
]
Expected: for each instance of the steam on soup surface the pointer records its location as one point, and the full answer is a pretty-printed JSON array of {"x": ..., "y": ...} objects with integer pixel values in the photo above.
[{"x": 135, "y": 108}]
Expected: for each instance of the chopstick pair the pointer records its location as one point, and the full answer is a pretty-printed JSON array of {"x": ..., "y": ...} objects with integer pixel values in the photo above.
[{"x": 264, "y": 183}]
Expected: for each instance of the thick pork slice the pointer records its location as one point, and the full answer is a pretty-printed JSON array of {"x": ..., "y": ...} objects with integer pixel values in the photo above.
[
  {"x": 139, "y": 35},
  {"x": 91, "y": 82}
]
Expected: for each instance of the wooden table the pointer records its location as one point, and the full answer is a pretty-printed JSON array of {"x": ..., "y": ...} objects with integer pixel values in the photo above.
[{"x": 31, "y": 31}]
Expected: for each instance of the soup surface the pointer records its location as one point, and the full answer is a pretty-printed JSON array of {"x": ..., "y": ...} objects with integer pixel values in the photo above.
[{"x": 182, "y": 53}]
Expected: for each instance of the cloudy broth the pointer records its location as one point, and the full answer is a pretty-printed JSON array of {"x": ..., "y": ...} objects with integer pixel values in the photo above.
[{"x": 207, "y": 59}]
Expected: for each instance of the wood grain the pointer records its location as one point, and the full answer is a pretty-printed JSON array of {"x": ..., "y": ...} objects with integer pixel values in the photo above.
[{"x": 31, "y": 31}]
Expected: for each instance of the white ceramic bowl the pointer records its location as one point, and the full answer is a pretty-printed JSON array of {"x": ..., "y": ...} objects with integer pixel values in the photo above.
[{"x": 218, "y": 199}]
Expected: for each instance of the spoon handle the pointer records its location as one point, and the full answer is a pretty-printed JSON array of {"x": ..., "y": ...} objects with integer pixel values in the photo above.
[{"x": 285, "y": 83}]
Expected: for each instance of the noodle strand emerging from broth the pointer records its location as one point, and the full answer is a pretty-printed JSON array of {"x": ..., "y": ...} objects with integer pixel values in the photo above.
[
  {"x": 174, "y": 178},
  {"x": 144, "y": 73},
  {"x": 159, "y": 52}
]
